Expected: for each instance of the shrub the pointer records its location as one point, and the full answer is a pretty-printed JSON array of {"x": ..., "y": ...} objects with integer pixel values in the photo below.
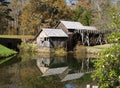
[
  {"x": 60, "y": 52},
  {"x": 27, "y": 47}
]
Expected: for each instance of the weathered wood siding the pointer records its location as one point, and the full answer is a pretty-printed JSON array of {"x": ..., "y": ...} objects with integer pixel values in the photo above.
[
  {"x": 42, "y": 40},
  {"x": 58, "y": 42},
  {"x": 61, "y": 26},
  {"x": 67, "y": 31}
]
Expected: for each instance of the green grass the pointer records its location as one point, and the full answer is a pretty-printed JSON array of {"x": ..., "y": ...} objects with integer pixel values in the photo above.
[
  {"x": 5, "y": 52},
  {"x": 103, "y": 46},
  {"x": 98, "y": 48},
  {"x": 17, "y": 36}
]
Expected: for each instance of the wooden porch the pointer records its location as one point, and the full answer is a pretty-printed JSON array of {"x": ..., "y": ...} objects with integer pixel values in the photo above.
[{"x": 86, "y": 38}]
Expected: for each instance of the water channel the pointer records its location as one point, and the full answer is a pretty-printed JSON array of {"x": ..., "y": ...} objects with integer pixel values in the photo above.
[{"x": 47, "y": 71}]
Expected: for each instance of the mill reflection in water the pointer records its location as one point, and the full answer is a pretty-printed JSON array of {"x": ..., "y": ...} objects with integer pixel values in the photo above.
[
  {"x": 46, "y": 71},
  {"x": 67, "y": 67}
]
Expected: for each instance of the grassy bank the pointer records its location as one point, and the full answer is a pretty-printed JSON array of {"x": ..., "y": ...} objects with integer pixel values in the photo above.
[
  {"x": 5, "y": 52},
  {"x": 17, "y": 36},
  {"x": 97, "y": 49}
]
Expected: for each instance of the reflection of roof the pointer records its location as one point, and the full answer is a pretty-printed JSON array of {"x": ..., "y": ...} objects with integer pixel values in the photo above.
[
  {"x": 54, "y": 32},
  {"x": 72, "y": 76},
  {"x": 41, "y": 63},
  {"x": 55, "y": 71},
  {"x": 43, "y": 69},
  {"x": 71, "y": 24}
]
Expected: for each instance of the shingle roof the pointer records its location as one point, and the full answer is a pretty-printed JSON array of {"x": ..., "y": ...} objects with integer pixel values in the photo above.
[
  {"x": 54, "y": 32},
  {"x": 71, "y": 24},
  {"x": 76, "y": 25},
  {"x": 88, "y": 28}
]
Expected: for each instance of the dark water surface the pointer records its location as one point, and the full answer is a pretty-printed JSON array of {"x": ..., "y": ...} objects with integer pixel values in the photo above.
[{"x": 29, "y": 71}]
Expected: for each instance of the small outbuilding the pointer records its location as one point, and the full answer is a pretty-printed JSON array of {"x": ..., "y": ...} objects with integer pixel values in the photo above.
[{"x": 51, "y": 38}]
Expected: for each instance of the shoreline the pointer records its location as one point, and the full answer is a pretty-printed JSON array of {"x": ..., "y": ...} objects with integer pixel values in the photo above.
[
  {"x": 86, "y": 50},
  {"x": 97, "y": 49}
]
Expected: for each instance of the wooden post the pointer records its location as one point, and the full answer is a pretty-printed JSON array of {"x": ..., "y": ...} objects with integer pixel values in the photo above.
[
  {"x": 100, "y": 39},
  {"x": 88, "y": 86},
  {"x": 88, "y": 62},
  {"x": 94, "y": 86},
  {"x": 82, "y": 36},
  {"x": 82, "y": 66},
  {"x": 87, "y": 39}
]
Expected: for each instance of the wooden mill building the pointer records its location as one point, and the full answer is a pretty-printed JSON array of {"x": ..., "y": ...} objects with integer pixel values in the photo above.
[
  {"x": 85, "y": 35},
  {"x": 68, "y": 34},
  {"x": 51, "y": 38}
]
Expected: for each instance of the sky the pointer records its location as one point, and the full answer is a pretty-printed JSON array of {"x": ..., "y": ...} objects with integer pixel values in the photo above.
[
  {"x": 68, "y": 1},
  {"x": 115, "y": 0},
  {"x": 74, "y": 1}
]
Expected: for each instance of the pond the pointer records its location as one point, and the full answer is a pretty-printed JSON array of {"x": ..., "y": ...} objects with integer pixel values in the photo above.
[{"x": 47, "y": 71}]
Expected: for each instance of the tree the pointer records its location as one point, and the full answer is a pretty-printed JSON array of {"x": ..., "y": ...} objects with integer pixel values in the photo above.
[
  {"x": 4, "y": 16},
  {"x": 115, "y": 14},
  {"x": 82, "y": 12},
  {"x": 82, "y": 15},
  {"x": 43, "y": 13},
  {"x": 107, "y": 71},
  {"x": 114, "y": 37},
  {"x": 16, "y": 6},
  {"x": 101, "y": 10},
  {"x": 84, "y": 3}
]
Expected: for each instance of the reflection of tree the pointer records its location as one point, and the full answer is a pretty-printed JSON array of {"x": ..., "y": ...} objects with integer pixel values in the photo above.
[
  {"x": 87, "y": 65},
  {"x": 73, "y": 62},
  {"x": 29, "y": 71},
  {"x": 82, "y": 66},
  {"x": 88, "y": 61},
  {"x": 80, "y": 52},
  {"x": 58, "y": 61},
  {"x": 10, "y": 73},
  {"x": 79, "y": 65},
  {"x": 25, "y": 56},
  {"x": 30, "y": 77}
]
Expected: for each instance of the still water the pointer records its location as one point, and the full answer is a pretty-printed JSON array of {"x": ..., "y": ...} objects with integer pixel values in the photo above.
[{"x": 47, "y": 71}]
